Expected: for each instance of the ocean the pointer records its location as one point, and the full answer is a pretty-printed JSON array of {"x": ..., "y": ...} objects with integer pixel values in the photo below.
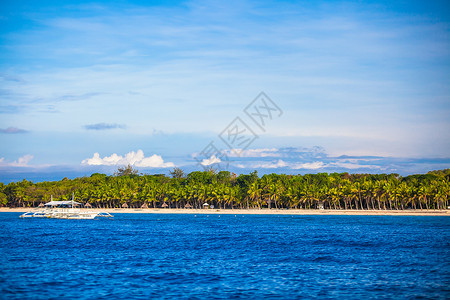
[{"x": 170, "y": 256}]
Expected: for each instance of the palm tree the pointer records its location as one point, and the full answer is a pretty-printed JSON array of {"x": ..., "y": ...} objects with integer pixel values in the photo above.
[
  {"x": 355, "y": 191},
  {"x": 255, "y": 193}
]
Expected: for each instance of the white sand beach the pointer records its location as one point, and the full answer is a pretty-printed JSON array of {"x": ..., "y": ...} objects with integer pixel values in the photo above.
[{"x": 258, "y": 211}]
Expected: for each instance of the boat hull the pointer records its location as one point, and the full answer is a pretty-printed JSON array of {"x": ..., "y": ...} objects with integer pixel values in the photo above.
[{"x": 66, "y": 214}]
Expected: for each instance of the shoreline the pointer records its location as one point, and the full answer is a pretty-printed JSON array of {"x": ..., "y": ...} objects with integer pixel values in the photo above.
[{"x": 331, "y": 212}]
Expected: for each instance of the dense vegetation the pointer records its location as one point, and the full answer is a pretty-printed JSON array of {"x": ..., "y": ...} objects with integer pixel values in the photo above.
[{"x": 226, "y": 190}]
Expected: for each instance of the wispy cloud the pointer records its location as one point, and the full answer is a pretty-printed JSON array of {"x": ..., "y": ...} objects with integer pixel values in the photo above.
[
  {"x": 104, "y": 126},
  {"x": 6, "y": 77},
  {"x": 357, "y": 78},
  {"x": 12, "y": 130},
  {"x": 271, "y": 165},
  {"x": 306, "y": 159},
  {"x": 75, "y": 97},
  {"x": 11, "y": 109},
  {"x": 20, "y": 162},
  {"x": 137, "y": 159},
  {"x": 285, "y": 152},
  {"x": 324, "y": 166},
  {"x": 265, "y": 152},
  {"x": 310, "y": 165}
]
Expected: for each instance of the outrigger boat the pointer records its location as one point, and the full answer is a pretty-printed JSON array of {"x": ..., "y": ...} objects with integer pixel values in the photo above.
[{"x": 64, "y": 210}]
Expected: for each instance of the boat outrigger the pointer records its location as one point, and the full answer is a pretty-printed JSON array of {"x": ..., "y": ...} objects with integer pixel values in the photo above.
[{"x": 64, "y": 210}]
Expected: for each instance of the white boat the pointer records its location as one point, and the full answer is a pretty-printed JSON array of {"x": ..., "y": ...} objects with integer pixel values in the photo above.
[{"x": 64, "y": 210}]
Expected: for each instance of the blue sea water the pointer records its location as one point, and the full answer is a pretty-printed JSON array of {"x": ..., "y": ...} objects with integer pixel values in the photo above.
[{"x": 168, "y": 256}]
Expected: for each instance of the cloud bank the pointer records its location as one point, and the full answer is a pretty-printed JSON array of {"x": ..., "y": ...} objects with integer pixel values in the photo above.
[
  {"x": 12, "y": 130},
  {"x": 137, "y": 159},
  {"x": 262, "y": 152},
  {"x": 104, "y": 126},
  {"x": 306, "y": 159}
]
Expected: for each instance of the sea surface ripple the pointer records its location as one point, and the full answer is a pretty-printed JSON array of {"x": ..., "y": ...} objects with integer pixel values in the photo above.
[{"x": 166, "y": 256}]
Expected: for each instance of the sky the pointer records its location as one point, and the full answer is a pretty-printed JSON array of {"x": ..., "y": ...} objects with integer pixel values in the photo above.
[{"x": 288, "y": 87}]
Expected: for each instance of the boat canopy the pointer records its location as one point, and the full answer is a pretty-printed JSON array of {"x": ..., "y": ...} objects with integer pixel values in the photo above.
[{"x": 58, "y": 203}]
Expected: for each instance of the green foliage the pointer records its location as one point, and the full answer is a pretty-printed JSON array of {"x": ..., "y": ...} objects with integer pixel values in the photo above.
[
  {"x": 177, "y": 173},
  {"x": 3, "y": 197},
  {"x": 126, "y": 171},
  {"x": 226, "y": 190}
]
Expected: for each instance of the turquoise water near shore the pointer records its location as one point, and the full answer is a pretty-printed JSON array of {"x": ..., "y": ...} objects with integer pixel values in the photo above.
[{"x": 168, "y": 256}]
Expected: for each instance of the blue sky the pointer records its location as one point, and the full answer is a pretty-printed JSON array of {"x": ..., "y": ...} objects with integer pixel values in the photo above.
[{"x": 362, "y": 86}]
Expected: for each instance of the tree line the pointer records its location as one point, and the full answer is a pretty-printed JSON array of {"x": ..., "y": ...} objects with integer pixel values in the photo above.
[{"x": 225, "y": 190}]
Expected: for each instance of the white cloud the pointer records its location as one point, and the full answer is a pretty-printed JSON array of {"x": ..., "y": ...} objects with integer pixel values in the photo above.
[
  {"x": 137, "y": 159},
  {"x": 272, "y": 165},
  {"x": 20, "y": 162},
  {"x": 283, "y": 164},
  {"x": 209, "y": 161},
  {"x": 154, "y": 161},
  {"x": 262, "y": 152},
  {"x": 310, "y": 166},
  {"x": 314, "y": 165},
  {"x": 24, "y": 160},
  {"x": 352, "y": 165}
]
